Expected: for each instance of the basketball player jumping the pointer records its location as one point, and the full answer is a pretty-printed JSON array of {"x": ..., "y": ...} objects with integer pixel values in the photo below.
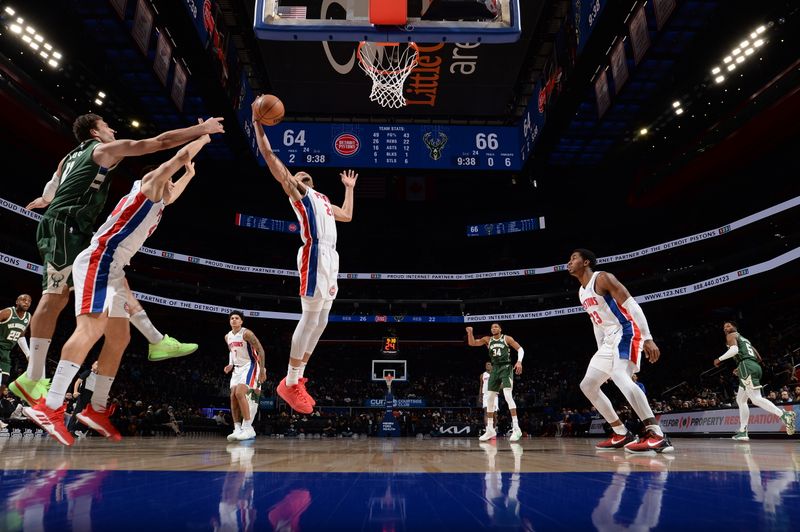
[
  {"x": 317, "y": 262},
  {"x": 101, "y": 295},
  {"x": 621, "y": 331},
  {"x": 246, "y": 361},
  {"x": 748, "y": 365},
  {"x": 74, "y": 198},
  {"x": 500, "y": 377}
]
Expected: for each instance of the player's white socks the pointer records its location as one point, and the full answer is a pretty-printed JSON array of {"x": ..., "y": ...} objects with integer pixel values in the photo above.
[
  {"x": 515, "y": 422},
  {"x": 292, "y": 375},
  {"x": 490, "y": 424},
  {"x": 620, "y": 429},
  {"x": 62, "y": 378},
  {"x": 36, "y": 363},
  {"x": 237, "y": 427},
  {"x": 302, "y": 370},
  {"x": 146, "y": 327},
  {"x": 102, "y": 386},
  {"x": 655, "y": 428},
  {"x": 247, "y": 424}
]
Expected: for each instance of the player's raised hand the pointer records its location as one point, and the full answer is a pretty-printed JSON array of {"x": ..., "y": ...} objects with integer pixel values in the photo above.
[
  {"x": 349, "y": 178},
  {"x": 651, "y": 351},
  {"x": 469, "y": 330},
  {"x": 213, "y": 125}
]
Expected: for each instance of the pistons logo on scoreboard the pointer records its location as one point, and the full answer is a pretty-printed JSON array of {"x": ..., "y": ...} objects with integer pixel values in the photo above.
[{"x": 346, "y": 144}]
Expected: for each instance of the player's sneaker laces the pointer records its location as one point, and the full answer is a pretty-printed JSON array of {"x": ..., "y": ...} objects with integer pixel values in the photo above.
[
  {"x": 100, "y": 422},
  {"x": 788, "y": 419},
  {"x": 616, "y": 441},
  {"x": 50, "y": 420},
  {"x": 294, "y": 397},
  {"x": 488, "y": 435},
  {"x": 246, "y": 434},
  {"x": 302, "y": 384},
  {"x": 651, "y": 443},
  {"x": 169, "y": 348},
  {"x": 28, "y": 389},
  {"x": 741, "y": 436},
  {"x": 516, "y": 434},
  {"x": 233, "y": 436}
]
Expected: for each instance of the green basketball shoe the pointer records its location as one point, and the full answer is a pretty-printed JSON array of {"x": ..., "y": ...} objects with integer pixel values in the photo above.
[
  {"x": 741, "y": 436},
  {"x": 29, "y": 390},
  {"x": 169, "y": 348}
]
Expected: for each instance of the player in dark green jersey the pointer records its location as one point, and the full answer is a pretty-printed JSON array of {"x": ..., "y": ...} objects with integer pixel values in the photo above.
[
  {"x": 748, "y": 368},
  {"x": 501, "y": 377},
  {"x": 74, "y": 198},
  {"x": 13, "y": 323}
]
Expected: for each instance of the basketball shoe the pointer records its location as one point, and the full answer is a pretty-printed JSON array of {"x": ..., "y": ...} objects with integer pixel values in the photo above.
[
  {"x": 246, "y": 434},
  {"x": 616, "y": 441},
  {"x": 302, "y": 384},
  {"x": 516, "y": 434},
  {"x": 488, "y": 435},
  {"x": 651, "y": 443},
  {"x": 741, "y": 436},
  {"x": 788, "y": 419},
  {"x": 50, "y": 420},
  {"x": 233, "y": 436},
  {"x": 100, "y": 422},
  {"x": 28, "y": 389},
  {"x": 294, "y": 397},
  {"x": 169, "y": 348}
]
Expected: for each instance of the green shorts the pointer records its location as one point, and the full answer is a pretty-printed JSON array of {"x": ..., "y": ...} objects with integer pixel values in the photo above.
[
  {"x": 501, "y": 377},
  {"x": 5, "y": 362},
  {"x": 59, "y": 242},
  {"x": 749, "y": 374}
]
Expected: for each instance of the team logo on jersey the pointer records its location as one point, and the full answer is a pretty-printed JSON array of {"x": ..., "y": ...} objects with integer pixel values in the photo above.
[
  {"x": 346, "y": 144},
  {"x": 435, "y": 145}
]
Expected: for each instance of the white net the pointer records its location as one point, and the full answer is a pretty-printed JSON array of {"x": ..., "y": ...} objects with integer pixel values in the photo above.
[{"x": 388, "y": 64}]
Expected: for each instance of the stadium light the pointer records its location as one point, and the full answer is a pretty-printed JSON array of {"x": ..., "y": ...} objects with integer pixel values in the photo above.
[
  {"x": 715, "y": 70},
  {"x": 676, "y": 104},
  {"x": 33, "y": 39},
  {"x": 719, "y": 79},
  {"x": 101, "y": 94},
  {"x": 731, "y": 67},
  {"x": 679, "y": 111},
  {"x": 98, "y": 101},
  {"x": 749, "y": 51},
  {"x": 10, "y": 11},
  {"x": 16, "y": 28},
  {"x": 52, "y": 63},
  {"x": 727, "y": 59},
  {"x": 758, "y": 43},
  {"x": 134, "y": 123},
  {"x": 643, "y": 131},
  {"x": 740, "y": 59},
  {"x": 761, "y": 29}
]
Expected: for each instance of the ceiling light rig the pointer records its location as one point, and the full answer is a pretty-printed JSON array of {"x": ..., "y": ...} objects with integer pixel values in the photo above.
[
  {"x": 31, "y": 37},
  {"x": 740, "y": 53}
]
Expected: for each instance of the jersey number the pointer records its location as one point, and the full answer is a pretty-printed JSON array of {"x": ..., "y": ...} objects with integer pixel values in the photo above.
[
  {"x": 13, "y": 336},
  {"x": 497, "y": 351},
  {"x": 596, "y": 318}
]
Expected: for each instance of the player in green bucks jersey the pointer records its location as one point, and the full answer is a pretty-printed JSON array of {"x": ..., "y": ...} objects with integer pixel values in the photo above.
[
  {"x": 74, "y": 198},
  {"x": 501, "y": 376},
  {"x": 13, "y": 323},
  {"x": 748, "y": 368}
]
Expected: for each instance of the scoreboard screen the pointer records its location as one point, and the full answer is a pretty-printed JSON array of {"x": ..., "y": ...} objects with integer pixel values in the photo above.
[{"x": 389, "y": 345}]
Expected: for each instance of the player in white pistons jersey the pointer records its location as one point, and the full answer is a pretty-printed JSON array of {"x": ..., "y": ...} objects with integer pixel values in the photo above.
[
  {"x": 247, "y": 367},
  {"x": 101, "y": 294},
  {"x": 317, "y": 262},
  {"x": 622, "y": 332},
  {"x": 484, "y": 391}
]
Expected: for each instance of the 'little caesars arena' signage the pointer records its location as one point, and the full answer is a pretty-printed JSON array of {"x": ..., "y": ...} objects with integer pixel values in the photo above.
[
  {"x": 711, "y": 421},
  {"x": 398, "y": 403}
]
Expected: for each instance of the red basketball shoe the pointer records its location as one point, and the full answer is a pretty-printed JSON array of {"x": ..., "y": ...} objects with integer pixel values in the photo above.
[
  {"x": 50, "y": 420},
  {"x": 651, "y": 443},
  {"x": 295, "y": 397},
  {"x": 286, "y": 514},
  {"x": 100, "y": 422},
  {"x": 302, "y": 384},
  {"x": 616, "y": 441}
]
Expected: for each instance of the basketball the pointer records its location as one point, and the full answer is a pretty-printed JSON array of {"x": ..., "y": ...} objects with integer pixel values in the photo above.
[{"x": 269, "y": 109}]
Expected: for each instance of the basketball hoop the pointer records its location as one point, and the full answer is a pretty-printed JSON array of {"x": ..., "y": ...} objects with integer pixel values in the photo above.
[
  {"x": 388, "y": 379},
  {"x": 388, "y": 64}
]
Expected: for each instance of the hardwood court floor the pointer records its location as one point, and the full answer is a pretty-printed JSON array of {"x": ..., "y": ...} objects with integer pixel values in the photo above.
[{"x": 395, "y": 484}]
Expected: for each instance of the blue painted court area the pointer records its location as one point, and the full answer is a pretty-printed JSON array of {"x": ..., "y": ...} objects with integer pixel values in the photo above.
[{"x": 240, "y": 500}]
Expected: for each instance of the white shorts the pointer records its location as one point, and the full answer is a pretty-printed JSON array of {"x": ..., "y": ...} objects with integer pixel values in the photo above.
[
  {"x": 246, "y": 374},
  {"x": 486, "y": 402},
  {"x": 318, "y": 265},
  {"x": 618, "y": 349},
  {"x": 99, "y": 286}
]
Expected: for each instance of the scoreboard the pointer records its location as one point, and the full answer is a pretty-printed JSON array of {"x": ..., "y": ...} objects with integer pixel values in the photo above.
[{"x": 397, "y": 146}]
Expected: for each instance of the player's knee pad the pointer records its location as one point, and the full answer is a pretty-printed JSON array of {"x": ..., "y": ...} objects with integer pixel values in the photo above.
[{"x": 509, "y": 399}]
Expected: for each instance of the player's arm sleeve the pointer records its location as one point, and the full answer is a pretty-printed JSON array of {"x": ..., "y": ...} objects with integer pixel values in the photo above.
[
  {"x": 637, "y": 316},
  {"x": 50, "y": 188},
  {"x": 23, "y": 345},
  {"x": 730, "y": 353}
]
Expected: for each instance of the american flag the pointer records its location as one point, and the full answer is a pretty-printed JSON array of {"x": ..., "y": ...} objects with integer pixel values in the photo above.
[{"x": 292, "y": 11}]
